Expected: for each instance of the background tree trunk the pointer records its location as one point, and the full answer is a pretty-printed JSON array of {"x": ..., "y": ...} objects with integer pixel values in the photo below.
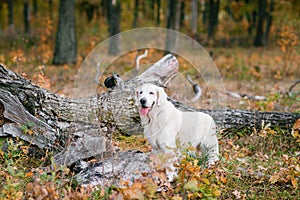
[
  {"x": 10, "y": 16},
  {"x": 173, "y": 22},
  {"x": 65, "y": 44},
  {"x": 158, "y": 13},
  {"x": 135, "y": 13},
  {"x": 269, "y": 20},
  {"x": 114, "y": 19},
  {"x": 194, "y": 21},
  {"x": 26, "y": 13},
  {"x": 259, "y": 38},
  {"x": 35, "y": 7},
  {"x": 77, "y": 129},
  {"x": 213, "y": 18},
  {"x": 50, "y": 5},
  {"x": 89, "y": 8}
]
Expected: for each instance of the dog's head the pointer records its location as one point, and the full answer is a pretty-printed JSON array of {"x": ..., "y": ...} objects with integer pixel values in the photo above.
[{"x": 148, "y": 96}]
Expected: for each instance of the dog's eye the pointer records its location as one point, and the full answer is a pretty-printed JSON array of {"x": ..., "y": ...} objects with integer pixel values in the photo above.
[
  {"x": 152, "y": 93},
  {"x": 141, "y": 92}
]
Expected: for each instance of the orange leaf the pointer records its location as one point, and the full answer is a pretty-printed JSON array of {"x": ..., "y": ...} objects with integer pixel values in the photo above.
[
  {"x": 223, "y": 179},
  {"x": 294, "y": 182},
  {"x": 29, "y": 174},
  {"x": 297, "y": 125}
]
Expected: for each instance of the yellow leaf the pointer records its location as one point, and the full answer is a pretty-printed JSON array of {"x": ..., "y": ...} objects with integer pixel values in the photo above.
[
  {"x": 30, "y": 132},
  {"x": 217, "y": 193},
  {"x": 191, "y": 185},
  {"x": 295, "y": 134},
  {"x": 177, "y": 197},
  {"x": 294, "y": 182},
  {"x": 205, "y": 180}
]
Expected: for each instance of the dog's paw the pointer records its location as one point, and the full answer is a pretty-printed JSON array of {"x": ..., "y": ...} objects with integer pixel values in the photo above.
[{"x": 172, "y": 173}]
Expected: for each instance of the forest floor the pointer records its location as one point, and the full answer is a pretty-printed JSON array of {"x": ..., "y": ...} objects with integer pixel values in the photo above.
[{"x": 254, "y": 164}]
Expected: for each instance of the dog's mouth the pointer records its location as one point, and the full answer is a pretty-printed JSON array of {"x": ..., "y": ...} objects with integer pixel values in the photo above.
[{"x": 144, "y": 111}]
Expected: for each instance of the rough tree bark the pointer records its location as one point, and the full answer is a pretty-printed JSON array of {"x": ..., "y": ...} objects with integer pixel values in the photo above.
[{"x": 76, "y": 129}]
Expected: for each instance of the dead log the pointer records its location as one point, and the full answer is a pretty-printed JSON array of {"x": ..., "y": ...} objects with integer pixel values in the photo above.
[
  {"x": 74, "y": 128},
  {"x": 77, "y": 129},
  {"x": 128, "y": 165}
]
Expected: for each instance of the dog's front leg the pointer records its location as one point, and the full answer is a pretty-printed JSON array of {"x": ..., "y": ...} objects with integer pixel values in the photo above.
[{"x": 169, "y": 148}]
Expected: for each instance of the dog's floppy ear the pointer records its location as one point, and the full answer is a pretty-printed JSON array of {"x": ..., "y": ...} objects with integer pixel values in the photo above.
[{"x": 161, "y": 96}]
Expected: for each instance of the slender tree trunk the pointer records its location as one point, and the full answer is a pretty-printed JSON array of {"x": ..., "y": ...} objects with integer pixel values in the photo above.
[
  {"x": 172, "y": 5},
  {"x": 136, "y": 12},
  {"x": 205, "y": 12},
  {"x": 178, "y": 15},
  {"x": 104, "y": 7},
  {"x": 250, "y": 18},
  {"x": 269, "y": 22},
  {"x": 216, "y": 13},
  {"x": 26, "y": 13},
  {"x": 114, "y": 19},
  {"x": 89, "y": 10},
  {"x": 259, "y": 38},
  {"x": 172, "y": 23},
  {"x": 10, "y": 6},
  {"x": 35, "y": 7},
  {"x": 182, "y": 13},
  {"x": 50, "y": 6},
  {"x": 194, "y": 22},
  {"x": 65, "y": 45},
  {"x": 213, "y": 18},
  {"x": 152, "y": 8},
  {"x": 210, "y": 29},
  {"x": 158, "y": 13}
]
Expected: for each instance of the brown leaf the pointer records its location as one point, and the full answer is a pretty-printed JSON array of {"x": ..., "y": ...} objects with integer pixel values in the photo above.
[{"x": 274, "y": 178}]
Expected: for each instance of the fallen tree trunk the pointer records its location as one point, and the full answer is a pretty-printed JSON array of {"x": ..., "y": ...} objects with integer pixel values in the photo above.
[{"x": 81, "y": 128}]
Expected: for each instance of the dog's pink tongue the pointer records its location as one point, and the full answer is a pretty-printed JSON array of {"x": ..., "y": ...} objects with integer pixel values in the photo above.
[{"x": 144, "y": 111}]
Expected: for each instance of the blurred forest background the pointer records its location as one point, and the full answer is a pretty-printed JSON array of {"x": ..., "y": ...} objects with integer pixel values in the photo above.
[{"x": 254, "y": 42}]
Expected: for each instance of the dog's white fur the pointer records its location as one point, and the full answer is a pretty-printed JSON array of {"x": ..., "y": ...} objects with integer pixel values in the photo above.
[{"x": 164, "y": 124}]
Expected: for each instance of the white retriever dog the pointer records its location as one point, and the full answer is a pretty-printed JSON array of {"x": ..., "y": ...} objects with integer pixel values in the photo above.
[{"x": 165, "y": 125}]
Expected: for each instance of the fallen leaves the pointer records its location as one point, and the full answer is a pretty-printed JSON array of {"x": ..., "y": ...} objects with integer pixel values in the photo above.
[
  {"x": 265, "y": 163},
  {"x": 296, "y": 131}
]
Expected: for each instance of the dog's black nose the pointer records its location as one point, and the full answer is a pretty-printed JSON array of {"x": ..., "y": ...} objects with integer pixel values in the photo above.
[{"x": 143, "y": 101}]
